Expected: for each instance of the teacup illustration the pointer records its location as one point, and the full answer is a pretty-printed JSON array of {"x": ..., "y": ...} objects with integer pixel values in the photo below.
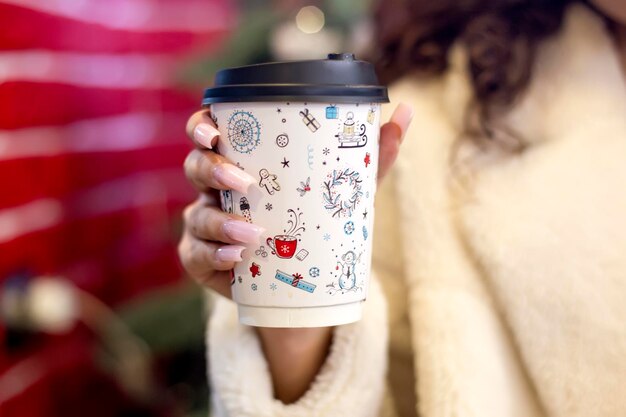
[{"x": 283, "y": 246}]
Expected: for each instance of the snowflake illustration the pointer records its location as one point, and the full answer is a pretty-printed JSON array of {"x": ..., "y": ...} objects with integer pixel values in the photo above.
[
  {"x": 244, "y": 131},
  {"x": 326, "y": 151},
  {"x": 284, "y": 248},
  {"x": 273, "y": 286},
  {"x": 269, "y": 207},
  {"x": 348, "y": 228},
  {"x": 254, "y": 287},
  {"x": 314, "y": 272},
  {"x": 327, "y": 237}
]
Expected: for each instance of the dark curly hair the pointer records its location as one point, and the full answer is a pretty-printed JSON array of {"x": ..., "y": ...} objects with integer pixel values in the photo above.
[{"x": 500, "y": 36}]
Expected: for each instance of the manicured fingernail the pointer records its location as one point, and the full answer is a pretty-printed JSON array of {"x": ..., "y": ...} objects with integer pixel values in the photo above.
[
  {"x": 242, "y": 231},
  {"x": 232, "y": 177},
  {"x": 402, "y": 116},
  {"x": 230, "y": 253},
  {"x": 204, "y": 134}
]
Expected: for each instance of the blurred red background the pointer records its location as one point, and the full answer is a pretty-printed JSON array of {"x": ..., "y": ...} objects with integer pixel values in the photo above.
[
  {"x": 91, "y": 147},
  {"x": 96, "y": 317}
]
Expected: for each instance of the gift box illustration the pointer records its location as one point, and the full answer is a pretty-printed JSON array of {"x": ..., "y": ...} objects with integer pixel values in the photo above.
[
  {"x": 295, "y": 280},
  {"x": 371, "y": 115},
  {"x": 310, "y": 121},
  {"x": 331, "y": 112}
]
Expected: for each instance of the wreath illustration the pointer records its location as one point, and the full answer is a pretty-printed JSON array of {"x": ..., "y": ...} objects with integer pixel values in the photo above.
[
  {"x": 338, "y": 203},
  {"x": 244, "y": 131}
]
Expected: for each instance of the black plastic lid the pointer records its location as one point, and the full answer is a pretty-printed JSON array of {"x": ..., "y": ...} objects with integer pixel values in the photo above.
[{"x": 339, "y": 79}]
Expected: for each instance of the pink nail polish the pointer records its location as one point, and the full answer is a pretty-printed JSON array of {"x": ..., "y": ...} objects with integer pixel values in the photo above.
[
  {"x": 232, "y": 177},
  {"x": 402, "y": 116},
  {"x": 204, "y": 134},
  {"x": 230, "y": 253},
  {"x": 242, "y": 231}
]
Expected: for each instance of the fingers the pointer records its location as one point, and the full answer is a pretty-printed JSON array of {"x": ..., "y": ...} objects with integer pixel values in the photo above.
[
  {"x": 201, "y": 130},
  {"x": 391, "y": 136},
  {"x": 389, "y": 148},
  {"x": 206, "y": 169},
  {"x": 207, "y": 222},
  {"x": 205, "y": 262},
  {"x": 202, "y": 251},
  {"x": 401, "y": 117}
]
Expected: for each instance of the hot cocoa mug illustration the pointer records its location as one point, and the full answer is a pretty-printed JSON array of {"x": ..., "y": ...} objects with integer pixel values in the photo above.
[{"x": 283, "y": 246}]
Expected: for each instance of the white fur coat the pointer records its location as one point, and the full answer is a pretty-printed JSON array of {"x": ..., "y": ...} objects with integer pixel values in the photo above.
[{"x": 509, "y": 283}]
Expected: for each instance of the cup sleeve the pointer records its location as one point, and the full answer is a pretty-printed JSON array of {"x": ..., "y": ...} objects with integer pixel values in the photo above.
[{"x": 350, "y": 383}]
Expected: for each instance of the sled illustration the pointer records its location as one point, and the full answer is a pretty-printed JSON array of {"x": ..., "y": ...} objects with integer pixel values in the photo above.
[{"x": 349, "y": 138}]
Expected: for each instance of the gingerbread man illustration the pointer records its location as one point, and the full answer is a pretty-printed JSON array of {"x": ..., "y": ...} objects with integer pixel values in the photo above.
[{"x": 269, "y": 181}]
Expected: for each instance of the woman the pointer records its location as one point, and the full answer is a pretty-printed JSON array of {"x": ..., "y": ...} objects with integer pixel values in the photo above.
[{"x": 501, "y": 232}]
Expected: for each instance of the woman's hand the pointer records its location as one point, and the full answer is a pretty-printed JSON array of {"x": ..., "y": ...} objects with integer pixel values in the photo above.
[{"x": 213, "y": 241}]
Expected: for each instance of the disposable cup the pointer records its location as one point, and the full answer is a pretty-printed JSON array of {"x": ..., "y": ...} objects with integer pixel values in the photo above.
[{"x": 308, "y": 132}]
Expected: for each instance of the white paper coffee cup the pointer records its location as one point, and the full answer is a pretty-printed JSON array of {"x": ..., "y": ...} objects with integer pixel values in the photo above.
[{"x": 315, "y": 160}]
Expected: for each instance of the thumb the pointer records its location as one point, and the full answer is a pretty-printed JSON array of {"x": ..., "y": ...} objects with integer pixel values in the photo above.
[{"x": 391, "y": 136}]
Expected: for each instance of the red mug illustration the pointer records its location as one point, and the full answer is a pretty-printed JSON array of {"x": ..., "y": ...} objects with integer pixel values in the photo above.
[{"x": 283, "y": 246}]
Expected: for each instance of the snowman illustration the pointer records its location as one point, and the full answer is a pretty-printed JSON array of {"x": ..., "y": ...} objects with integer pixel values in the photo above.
[{"x": 347, "y": 279}]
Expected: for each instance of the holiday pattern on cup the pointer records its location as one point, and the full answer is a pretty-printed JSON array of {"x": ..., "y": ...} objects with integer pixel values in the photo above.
[
  {"x": 269, "y": 181},
  {"x": 342, "y": 192},
  {"x": 352, "y": 134},
  {"x": 310, "y": 156},
  {"x": 285, "y": 245},
  {"x": 244, "y": 131},
  {"x": 295, "y": 280},
  {"x": 347, "y": 279},
  {"x": 226, "y": 197},
  {"x": 331, "y": 112},
  {"x": 255, "y": 269},
  {"x": 316, "y": 163},
  {"x": 310, "y": 121},
  {"x": 305, "y": 187},
  {"x": 244, "y": 207},
  {"x": 282, "y": 140},
  {"x": 371, "y": 115}
]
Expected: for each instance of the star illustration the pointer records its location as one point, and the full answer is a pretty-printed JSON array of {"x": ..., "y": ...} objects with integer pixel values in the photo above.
[
  {"x": 364, "y": 214},
  {"x": 317, "y": 227},
  {"x": 337, "y": 159},
  {"x": 285, "y": 163},
  {"x": 278, "y": 110},
  {"x": 255, "y": 269}
]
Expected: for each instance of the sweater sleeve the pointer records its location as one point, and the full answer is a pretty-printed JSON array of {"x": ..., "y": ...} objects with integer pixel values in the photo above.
[{"x": 350, "y": 383}]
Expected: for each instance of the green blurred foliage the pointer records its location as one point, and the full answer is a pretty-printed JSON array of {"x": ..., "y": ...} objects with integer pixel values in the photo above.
[{"x": 168, "y": 320}]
